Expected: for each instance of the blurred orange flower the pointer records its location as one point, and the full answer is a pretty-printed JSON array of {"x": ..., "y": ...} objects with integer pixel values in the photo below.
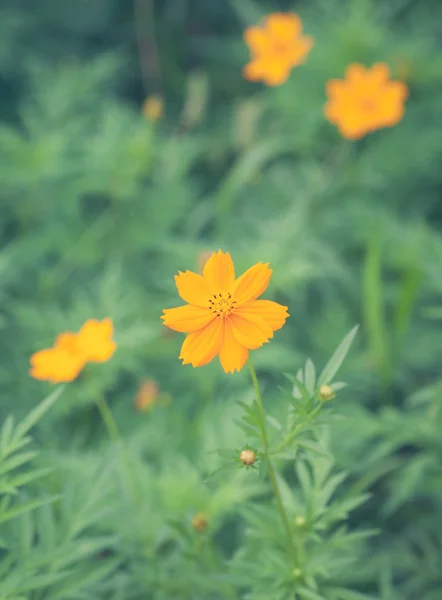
[
  {"x": 146, "y": 395},
  {"x": 276, "y": 48},
  {"x": 71, "y": 351},
  {"x": 153, "y": 107},
  {"x": 223, "y": 316},
  {"x": 366, "y": 100}
]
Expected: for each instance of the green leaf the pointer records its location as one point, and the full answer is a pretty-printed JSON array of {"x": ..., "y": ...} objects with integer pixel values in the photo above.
[
  {"x": 35, "y": 415},
  {"x": 333, "y": 365},
  {"x": 22, "y": 508},
  {"x": 310, "y": 377}
]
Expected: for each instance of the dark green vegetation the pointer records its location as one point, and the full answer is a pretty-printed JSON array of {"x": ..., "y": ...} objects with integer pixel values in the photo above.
[{"x": 99, "y": 209}]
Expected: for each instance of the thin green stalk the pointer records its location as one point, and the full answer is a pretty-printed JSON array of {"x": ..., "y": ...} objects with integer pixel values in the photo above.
[
  {"x": 271, "y": 468},
  {"x": 289, "y": 439},
  {"x": 108, "y": 419},
  {"x": 125, "y": 465}
]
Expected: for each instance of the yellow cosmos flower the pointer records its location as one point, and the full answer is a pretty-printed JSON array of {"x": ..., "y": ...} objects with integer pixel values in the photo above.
[
  {"x": 223, "y": 316},
  {"x": 365, "y": 101},
  {"x": 276, "y": 47},
  {"x": 71, "y": 351}
]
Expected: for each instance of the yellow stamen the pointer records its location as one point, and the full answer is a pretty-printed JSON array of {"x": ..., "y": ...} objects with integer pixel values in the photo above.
[{"x": 222, "y": 304}]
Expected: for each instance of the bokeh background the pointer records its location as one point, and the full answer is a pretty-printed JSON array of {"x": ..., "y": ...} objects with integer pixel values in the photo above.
[{"x": 100, "y": 205}]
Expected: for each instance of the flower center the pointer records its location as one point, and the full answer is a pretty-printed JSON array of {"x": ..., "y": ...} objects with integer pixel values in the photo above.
[
  {"x": 368, "y": 104},
  {"x": 280, "y": 48},
  {"x": 222, "y": 304}
]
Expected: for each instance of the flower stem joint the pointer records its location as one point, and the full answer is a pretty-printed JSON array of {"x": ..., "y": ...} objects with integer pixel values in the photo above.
[{"x": 326, "y": 393}]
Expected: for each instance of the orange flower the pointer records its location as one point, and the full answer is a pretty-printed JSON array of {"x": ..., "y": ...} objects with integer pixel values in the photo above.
[
  {"x": 55, "y": 365},
  {"x": 366, "y": 100},
  {"x": 153, "y": 107},
  {"x": 223, "y": 316},
  {"x": 276, "y": 48},
  {"x": 146, "y": 395},
  {"x": 71, "y": 351}
]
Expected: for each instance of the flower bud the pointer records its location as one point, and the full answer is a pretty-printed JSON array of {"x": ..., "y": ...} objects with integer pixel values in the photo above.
[
  {"x": 297, "y": 573},
  {"x": 146, "y": 395},
  {"x": 200, "y": 522},
  {"x": 248, "y": 457},
  {"x": 326, "y": 393},
  {"x": 300, "y": 521},
  {"x": 153, "y": 107}
]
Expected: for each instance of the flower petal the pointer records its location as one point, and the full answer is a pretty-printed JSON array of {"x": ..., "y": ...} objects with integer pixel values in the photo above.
[
  {"x": 276, "y": 72},
  {"x": 94, "y": 341},
  {"x": 67, "y": 341},
  {"x": 55, "y": 365},
  {"x": 251, "y": 330},
  {"x": 232, "y": 354},
  {"x": 274, "y": 314},
  {"x": 193, "y": 288},
  {"x": 187, "y": 318},
  {"x": 355, "y": 73},
  {"x": 200, "y": 347},
  {"x": 257, "y": 39},
  {"x": 379, "y": 74},
  {"x": 219, "y": 272},
  {"x": 252, "y": 283},
  {"x": 283, "y": 26}
]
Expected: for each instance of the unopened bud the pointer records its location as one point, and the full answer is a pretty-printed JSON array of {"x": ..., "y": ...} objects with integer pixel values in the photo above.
[
  {"x": 326, "y": 393},
  {"x": 297, "y": 573},
  {"x": 300, "y": 521},
  {"x": 247, "y": 457},
  {"x": 153, "y": 107},
  {"x": 200, "y": 522},
  {"x": 146, "y": 395}
]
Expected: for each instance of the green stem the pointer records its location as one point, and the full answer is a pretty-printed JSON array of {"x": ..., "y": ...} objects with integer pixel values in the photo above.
[
  {"x": 289, "y": 439},
  {"x": 108, "y": 419},
  {"x": 271, "y": 468}
]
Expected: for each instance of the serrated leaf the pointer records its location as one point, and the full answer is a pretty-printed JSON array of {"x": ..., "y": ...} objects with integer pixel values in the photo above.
[
  {"x": 16, "y": 461},
  {"x": 314, "y": 447},
  {"x": 333, "y": 365},
  {"x": 310, "y": 377},
  {"x": 36, "y": 414},
  {"x": 274, "y": 422},
  {"x": 25, "y": 507},
  {"x": 309, "y": 594},
  {"x": 6, "y": 434}
]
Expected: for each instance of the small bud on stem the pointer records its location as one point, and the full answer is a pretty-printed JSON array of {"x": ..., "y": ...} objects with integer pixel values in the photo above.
[
  {"x": 247, "y": 457},
  {"x": 326, "y": 393}
]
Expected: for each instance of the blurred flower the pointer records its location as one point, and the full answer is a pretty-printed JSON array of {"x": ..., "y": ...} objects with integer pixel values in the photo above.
[
  {"x": 71, "y": 351},
  {"x": 200, "y": 522},
  {"x": 326, "y": 393},
  {"x": 223, "y": 316},
  {"x": 247, "y": 457},
  {"x": 153, "y": 107},
  {"x": 276, "y": 48},
  {"x": 366, "y": 100},
  {"x": 146, "y": 395},
  {"x": 55, "y": 365}
]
